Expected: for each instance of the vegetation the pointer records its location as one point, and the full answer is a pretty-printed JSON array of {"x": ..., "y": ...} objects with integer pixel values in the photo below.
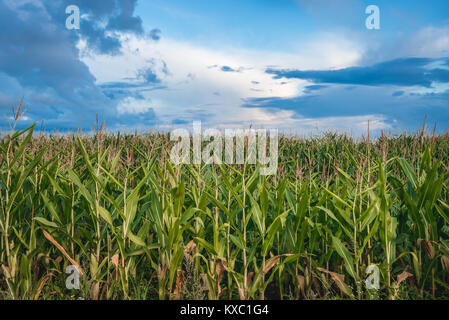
[{"x": 138, "y": 227}]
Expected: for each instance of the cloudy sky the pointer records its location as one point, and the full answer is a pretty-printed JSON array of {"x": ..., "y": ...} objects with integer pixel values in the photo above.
[{"x": 300, "y": 66}]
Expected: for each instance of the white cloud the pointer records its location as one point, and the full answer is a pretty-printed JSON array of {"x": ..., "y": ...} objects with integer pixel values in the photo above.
[
  {"x": 288, "y": 123},
  {"x": 195, "y": 89},
  {"x": 427, "y": 42},
  {"x": 430, "y": 42},
  {"x": 354, "y": 125},
  {"x": 133, "y": 106},
  {"x": 436, "y": 88}
]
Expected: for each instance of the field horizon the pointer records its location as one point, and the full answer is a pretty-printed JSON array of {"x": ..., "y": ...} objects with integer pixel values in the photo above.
[{"x": 132, "y": 225}]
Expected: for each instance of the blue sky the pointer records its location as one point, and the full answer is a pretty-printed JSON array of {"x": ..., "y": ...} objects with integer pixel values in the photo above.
[{"x": 296, "y": 65}]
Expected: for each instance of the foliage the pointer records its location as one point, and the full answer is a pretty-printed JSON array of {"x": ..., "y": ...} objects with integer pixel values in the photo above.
[{"x": 138, "y": 227}]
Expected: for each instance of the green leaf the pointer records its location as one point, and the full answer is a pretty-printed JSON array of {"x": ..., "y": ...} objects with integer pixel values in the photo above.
[
  {"x": 137, "y": 240},
  {"x": 46, "y": 222},
  {"x": 344, "y": 253},
  {"x": 337, "y": 198},
  {"x": 18, "y": 153},
  {"x": 408, "y": 171},
  {"x": 206, "y": 245},
  {"x": 105, "y": 215},
  {"x": 236, "y": 240},
  {"x": 51, "y": 208}
]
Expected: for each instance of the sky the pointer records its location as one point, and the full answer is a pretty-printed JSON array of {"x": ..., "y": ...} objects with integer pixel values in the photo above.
[{"x": 298, "y": 66}]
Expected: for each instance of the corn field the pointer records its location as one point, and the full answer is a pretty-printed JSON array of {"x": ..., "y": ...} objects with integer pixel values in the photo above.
[{"x": 136, "y": 226}]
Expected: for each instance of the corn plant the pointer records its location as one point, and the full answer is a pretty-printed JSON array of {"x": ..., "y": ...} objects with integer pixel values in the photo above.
[{"x": 136, "y": 226}]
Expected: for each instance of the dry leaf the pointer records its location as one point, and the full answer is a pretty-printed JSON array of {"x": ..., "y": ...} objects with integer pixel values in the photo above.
[
  {"x": 41, "y": 286},
  {"x": 95, "y": 290},
  {"x": 219, "y": 269},
  {"x": 446, "y": 263},
  {"x": 339, "y": 280},
  {"x": 250, "y": 277},
  {"x": 429, "y": 248},
  {"x": 190, "y": 247},
  {"x": 403, "y": 276},
  {"x": 241, "y": 292},
  {"x": 316, "y": 285},
  {"x": 302, "y": 284},
  {"x": 50, "y": 238},
  {"x": 179, "y": 283},
  {"x": 115, "y": 262}
]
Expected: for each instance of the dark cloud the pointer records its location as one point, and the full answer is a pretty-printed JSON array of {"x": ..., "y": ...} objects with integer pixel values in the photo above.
[
  {"x": 98, "y": 9},
  {"x": 121, "y": 90},
  {"x": 369, "y": 90},
  {"x": 125, "y": 20},
  {"x": 399, "y": 72},
  {"x": 101, "y": 19},
  {"x": 314, "y": 87},
  {"x": 142, "y": 118},
  {"x": 97, "y": 39},
  {"x": 337, "y": 100},
  {"x": 155, "y": 34},
  {"x": 227, "y": 69},
  {"x": 180, "y": 121},
  {"x": 39, "y": 58},
  {"x": 148, "y": 76}
]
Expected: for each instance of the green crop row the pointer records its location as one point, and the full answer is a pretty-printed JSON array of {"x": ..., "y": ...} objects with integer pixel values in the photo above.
[{"x": 138, "y": 227}]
